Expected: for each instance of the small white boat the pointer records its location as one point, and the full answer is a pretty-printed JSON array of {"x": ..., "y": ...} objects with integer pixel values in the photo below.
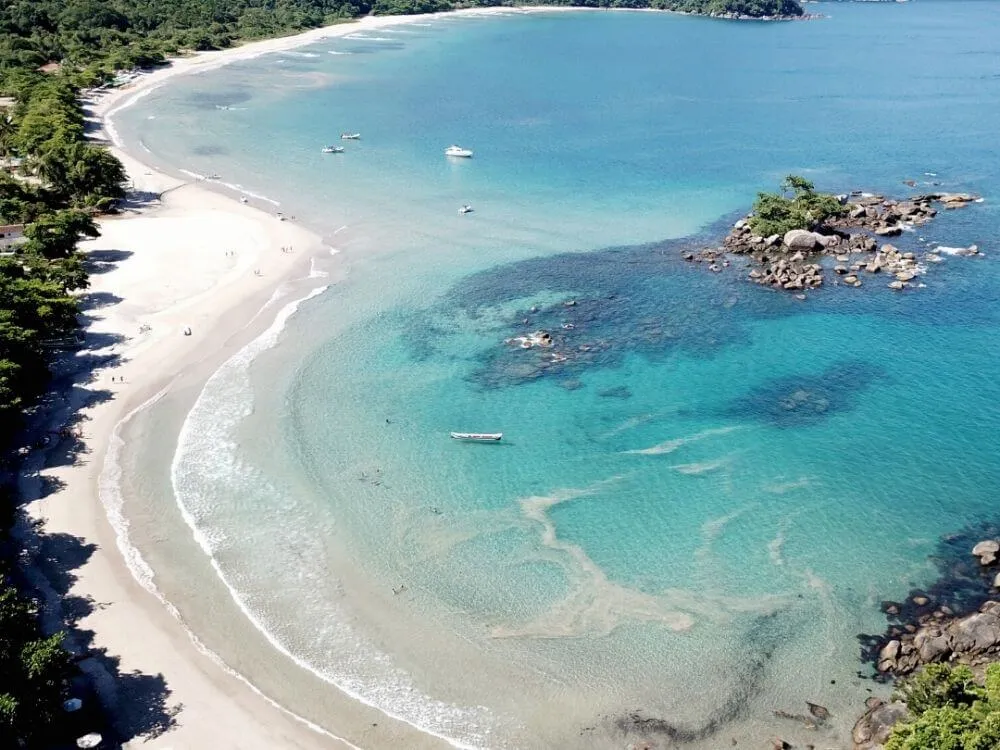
[
  {"x": 463, "y": 153},
  {"x": 479, "y": 437},
  {"x": 466, "y": 209},
  {"x": 333, "y": 149},
  {"x": 350, "y": 136}
]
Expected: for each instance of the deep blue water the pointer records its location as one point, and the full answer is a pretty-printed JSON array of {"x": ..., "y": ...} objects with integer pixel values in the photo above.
[{"x": 700, "y": 504}]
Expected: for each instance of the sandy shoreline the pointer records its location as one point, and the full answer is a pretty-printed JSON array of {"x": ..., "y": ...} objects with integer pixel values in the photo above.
[{"x": 191, "y": 259}]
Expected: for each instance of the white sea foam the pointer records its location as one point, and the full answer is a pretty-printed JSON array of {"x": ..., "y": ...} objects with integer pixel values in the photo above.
[
  {"x": 367, "y": 38},
  {"x": 111, "y": 497},
  {"x": 236, "y": 187},
  {"x": 337, "y": 52},
  {"x": 669, "y": 446},
  {"x": 595, "y": 605},
  {"x": 703, "y": 467},
  {"x": 780, "y": 488},
  {"x": 314, "y": 272},
  {"x": 295, "y": 53},
  {"x": 208, "y": 466}
]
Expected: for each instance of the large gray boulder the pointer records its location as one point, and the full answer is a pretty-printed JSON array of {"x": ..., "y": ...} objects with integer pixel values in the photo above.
[
  {"x": 800, "y": 239},
  {"x": 873, "y": 728},
  {"x": 986, "y": 551}
]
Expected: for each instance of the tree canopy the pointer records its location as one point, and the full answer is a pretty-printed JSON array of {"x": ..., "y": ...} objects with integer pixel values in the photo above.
[
  {"x": 950, "y": 710},
  {"x": 777, "y": 213}
]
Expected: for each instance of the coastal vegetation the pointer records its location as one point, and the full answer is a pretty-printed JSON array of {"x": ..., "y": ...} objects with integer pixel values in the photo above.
[
  {"x": 797, "y": 206},
  {"x": 949, "y": 710}
]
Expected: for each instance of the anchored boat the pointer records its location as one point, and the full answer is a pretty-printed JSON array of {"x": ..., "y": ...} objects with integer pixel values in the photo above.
[
  {"x": 463, "y": 153},
  {"x": 478, "y": 437},
  {"x": 333, "y": 149},
  {"x": 350, "y": 136}
]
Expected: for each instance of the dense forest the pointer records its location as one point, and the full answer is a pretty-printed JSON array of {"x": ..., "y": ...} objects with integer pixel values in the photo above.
[{"x": 54, "y": 182}]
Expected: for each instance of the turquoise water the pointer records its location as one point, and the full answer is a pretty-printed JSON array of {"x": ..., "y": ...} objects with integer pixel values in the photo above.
[{"x": 698, "y": 507}]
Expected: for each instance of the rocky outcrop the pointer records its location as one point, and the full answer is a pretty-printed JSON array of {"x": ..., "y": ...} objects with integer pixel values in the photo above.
[
  {"x": 986, "y": 551},
  {"x": 795, "y": 261},
  {"x": 873, "y": 728},
  {"x": 938, "y": 635}
]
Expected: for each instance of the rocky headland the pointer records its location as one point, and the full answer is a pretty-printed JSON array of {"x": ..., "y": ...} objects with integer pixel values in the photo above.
[
  {"x": 850, "y": 248},
  {"x": 926, "y": 629}
]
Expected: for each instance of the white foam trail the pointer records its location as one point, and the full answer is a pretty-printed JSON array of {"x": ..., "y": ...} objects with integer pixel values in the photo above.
[
  {"x": 207, "y": 453},
  {"x": 193, "y": 175},
  {"x": 701, "y": 468},
  {"x": 337, "y": 52},
  {"x": 315, "y": 273},
  {"x": 110, "y": 494},
  {"x": 340, "y": 229},
  {"x": 236, "y": 187},
  {"x": 144, "y": 147},
  {"x": 366, "y": 38},
  {"x": 669, "y": 446},
  {"x": 293, "y": 53},
  {"x": 781, "y": 488}
]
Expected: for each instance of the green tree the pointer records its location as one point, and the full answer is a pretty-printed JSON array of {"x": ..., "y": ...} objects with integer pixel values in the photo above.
[
  {"x": 55, "y": 235},
  {"x": 775, "y": 213},
  {"x": 950, "y": 710}
]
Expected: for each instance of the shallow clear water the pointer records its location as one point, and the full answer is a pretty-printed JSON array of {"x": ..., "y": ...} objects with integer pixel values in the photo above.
[{"x": 698, "y": 510}]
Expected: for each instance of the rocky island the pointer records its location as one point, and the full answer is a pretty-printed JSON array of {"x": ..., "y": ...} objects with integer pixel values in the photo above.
[{"x": 793, "y": 243}]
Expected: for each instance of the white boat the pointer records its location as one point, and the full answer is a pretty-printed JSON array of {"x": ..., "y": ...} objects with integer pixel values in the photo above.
[
  {"x": 333, "y": 149},
  {"x": 458, "y": 151},
  {"x": 350, "y": 136},
  {"x": 479, "y": 437},
  {"x": 466, "y": 209}
]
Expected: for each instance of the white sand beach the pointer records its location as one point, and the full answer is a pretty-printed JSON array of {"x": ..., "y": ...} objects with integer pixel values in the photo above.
[{"x": 192, "y": 259}]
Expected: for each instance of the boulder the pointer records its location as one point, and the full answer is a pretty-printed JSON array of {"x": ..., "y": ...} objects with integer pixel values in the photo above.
[
  {"x": 950, "y": 199},
  {"x": 800, "y": 239},
  {"x": 827, "y": 240},
  {"x": 986, "y": 551},
  {"x": 886, "y": 230},
  {"x": 740, "y": 224},
  {"x": 852, "y": 280},
  {"x": 906, "y": 275},
  {"x": 996, "y": 581},
  {"x": 897, "y": 285},
  {"x": 840, "y": 269},
  {"x": 873, "y": 728},
  {"x": 887, "y": 656},
  {"x": 978, "y": 634},
  {"x": 773, "y": 241},
  {"x": 932, "y": 645}
]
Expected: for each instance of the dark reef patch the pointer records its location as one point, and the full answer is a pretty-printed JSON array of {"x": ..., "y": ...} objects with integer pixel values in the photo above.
[
  {"x": 802, "y": 400},
  {"x": 598, "y": 307},
  {"x": 763, "y": 640}
]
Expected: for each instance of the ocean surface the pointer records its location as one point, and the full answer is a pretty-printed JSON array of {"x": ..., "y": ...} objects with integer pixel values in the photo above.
[{"x": 700, "y": 502}]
